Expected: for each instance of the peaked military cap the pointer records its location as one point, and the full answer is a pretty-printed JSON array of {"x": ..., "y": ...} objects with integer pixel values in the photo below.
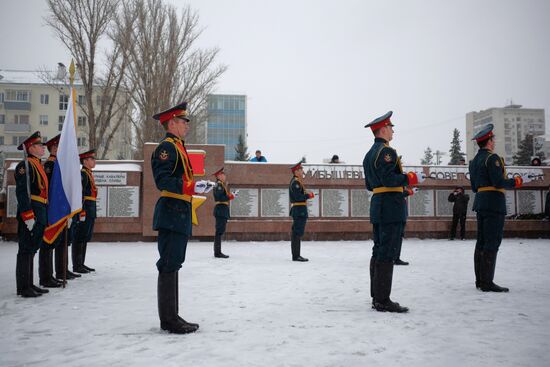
[
  {"x": 296, "y": 167},
  {"x": 179, "y": 110},
  {"x": 485, "y": 133},
  {"x": 53, "y": 141},
  {"x": 381, "y": 121},
  {"x": 89, "y": 154},
  {"x": 35, "y": 138},
  {"x": 218, "y": 172}
]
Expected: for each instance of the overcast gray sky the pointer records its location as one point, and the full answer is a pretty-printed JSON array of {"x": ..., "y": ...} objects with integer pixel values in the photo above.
[{"x": 316, "y": 71}]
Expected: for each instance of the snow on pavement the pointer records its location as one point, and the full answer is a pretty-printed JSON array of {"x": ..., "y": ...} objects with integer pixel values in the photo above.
[{"x": 258, "y": 308}]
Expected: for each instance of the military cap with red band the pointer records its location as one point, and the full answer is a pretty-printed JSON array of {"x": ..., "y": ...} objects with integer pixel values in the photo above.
[
  {"x": 296, "y": 167},
  {"x": 485, "y": 133},
  {"x": 218, "y": 172},
  {"x": 88, "y": 154},
  {"x": 53, "y": 141},
  {"x": 380, "y": 122},
  {"x": 179, "y": 110},
  {"x": 35, "y": 138}
]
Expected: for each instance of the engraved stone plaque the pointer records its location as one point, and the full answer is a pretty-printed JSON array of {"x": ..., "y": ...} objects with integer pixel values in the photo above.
[
  {"x": 123, "y": 201},
  {"x": 246, "y": 204},
  {"x": 335, "y": 203},
  {"x": 110, "y": 178},
  {"x": 510, "y": 202},
  {"x": 313, "y": 204},
  {"x": 11, "y": 208},
  {"x": 360, "y": 203},
  {"x": 529, "y": 202},
  {"x": 275, "y": 203},
  {"x": 101, "y": 202},
  {"x": 421, "y": 204},
  {"x": 444, "y": 208}
]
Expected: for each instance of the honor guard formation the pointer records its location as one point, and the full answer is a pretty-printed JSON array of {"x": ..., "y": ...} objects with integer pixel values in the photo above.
[{"x": 173, "y": 175}]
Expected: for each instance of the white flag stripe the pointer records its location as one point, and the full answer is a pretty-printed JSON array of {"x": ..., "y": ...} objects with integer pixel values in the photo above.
[{"x": 69, "y": 162}]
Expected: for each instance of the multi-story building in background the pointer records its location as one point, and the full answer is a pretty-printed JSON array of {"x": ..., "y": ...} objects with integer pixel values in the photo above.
[
  {"x": 226, "y": 121},
  {"x": 512, "y": 123},
  {"x": 29, "y": 103}
]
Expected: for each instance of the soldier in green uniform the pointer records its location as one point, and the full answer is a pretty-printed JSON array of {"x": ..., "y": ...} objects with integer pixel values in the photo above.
[
  {"x": 489, "y": 183},
  {"x": 173, "y": 176},
  {"x": 298, "y": 210},
  {"x": 61, "y": 266},
  {"x": 222, "y": 196},
  {"x": 31, "y": 190},
  {"x": 84, "y": 226},
  {"x": 45, "y": 254},
  {"x": 385, "y": 178}
]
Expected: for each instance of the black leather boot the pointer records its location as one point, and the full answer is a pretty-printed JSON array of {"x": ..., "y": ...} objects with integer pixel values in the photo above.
[
  {"x": 30, "y": 259},
  {"x": 77, "y": 259},
  {"x": 295, "y": 245},
  {"x": 488, "y": 264},
  {"x": 218, "y": 247},
  {"x": 45, "y": 269},
  {"x": 401, "y": 262},
  {"x": 178, "y": 302},
  {"x": 477, "y": 267},
  {"x": 22, "y": 277},
  {"x": 383, "y": 274},
  {"x": 166, "y": 298},
  {"x": 84, "y": 248}
]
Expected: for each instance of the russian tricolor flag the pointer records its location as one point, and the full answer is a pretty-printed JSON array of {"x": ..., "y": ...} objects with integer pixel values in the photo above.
[{"x": 65, "y": 196}]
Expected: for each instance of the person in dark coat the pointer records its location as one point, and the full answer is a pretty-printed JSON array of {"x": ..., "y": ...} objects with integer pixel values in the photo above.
[
  {"x": 489, "y": 183},
  {"x": 223, "y": 197},
  {"x": 298, "y": 210},
  {"x": 31, "y": 191},
  {"x": 385, "y": 178},
  {"x": 172, "y": 217},
  {"x": 84, "y": 226},
  {"x": 460, "y": 207}
]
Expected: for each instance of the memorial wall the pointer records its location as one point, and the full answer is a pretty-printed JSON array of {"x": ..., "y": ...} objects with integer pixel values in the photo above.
[{"x": 340, "y": 209}]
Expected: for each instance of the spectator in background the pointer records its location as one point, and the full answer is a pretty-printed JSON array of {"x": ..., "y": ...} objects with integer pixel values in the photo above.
[
  {"x": 460, "y": 200},
  {"x": 335, "y": 159},
  {"x": 462, "y": 162},
  {"x": 259, "y": 157}
]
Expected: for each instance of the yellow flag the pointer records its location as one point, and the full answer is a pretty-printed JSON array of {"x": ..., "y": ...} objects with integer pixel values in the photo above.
[{"x": 195, "y": 203}]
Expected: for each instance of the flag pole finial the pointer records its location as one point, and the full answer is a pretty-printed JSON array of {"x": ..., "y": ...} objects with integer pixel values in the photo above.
[{"x": 71, "y": 72}]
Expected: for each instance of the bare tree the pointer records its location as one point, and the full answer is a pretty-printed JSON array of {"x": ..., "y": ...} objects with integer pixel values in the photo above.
[
  {"x": 80, "y": 25},
  {"x": 164, "y": 66}
]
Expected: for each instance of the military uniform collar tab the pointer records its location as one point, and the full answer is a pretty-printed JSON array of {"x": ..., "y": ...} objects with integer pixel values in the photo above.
[{"x": 380, "y": 140}]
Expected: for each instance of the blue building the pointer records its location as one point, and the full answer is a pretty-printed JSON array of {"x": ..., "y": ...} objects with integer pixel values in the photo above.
[{"x": 226, "y": 121}]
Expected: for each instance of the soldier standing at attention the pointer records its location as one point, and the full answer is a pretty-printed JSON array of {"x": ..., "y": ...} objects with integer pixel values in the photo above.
[
  {"x": 173, "y": 176},
  {"x": 298, "y": 210},
  {"x": 222, "y": 196},
  {"x": 59, "y": 243},
  {"x": 385, "y": 178},
  {"x": 45, "y": 255},
  {"x": 489, "y": 183},
  {"x": 85, "y": 225},
  {"x": 31, "y": 190}
]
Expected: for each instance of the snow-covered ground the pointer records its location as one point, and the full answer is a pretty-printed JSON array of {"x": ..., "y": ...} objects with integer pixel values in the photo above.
[{"x": 258, "y": 308}]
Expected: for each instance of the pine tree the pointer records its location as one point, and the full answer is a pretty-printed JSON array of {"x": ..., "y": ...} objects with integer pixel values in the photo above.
[
  {"x": 525, "y": 152},
  {"x": 428, "y": 157},
  {"x": 455, "y": 153},
  {"x": 241, "y": 150}
]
